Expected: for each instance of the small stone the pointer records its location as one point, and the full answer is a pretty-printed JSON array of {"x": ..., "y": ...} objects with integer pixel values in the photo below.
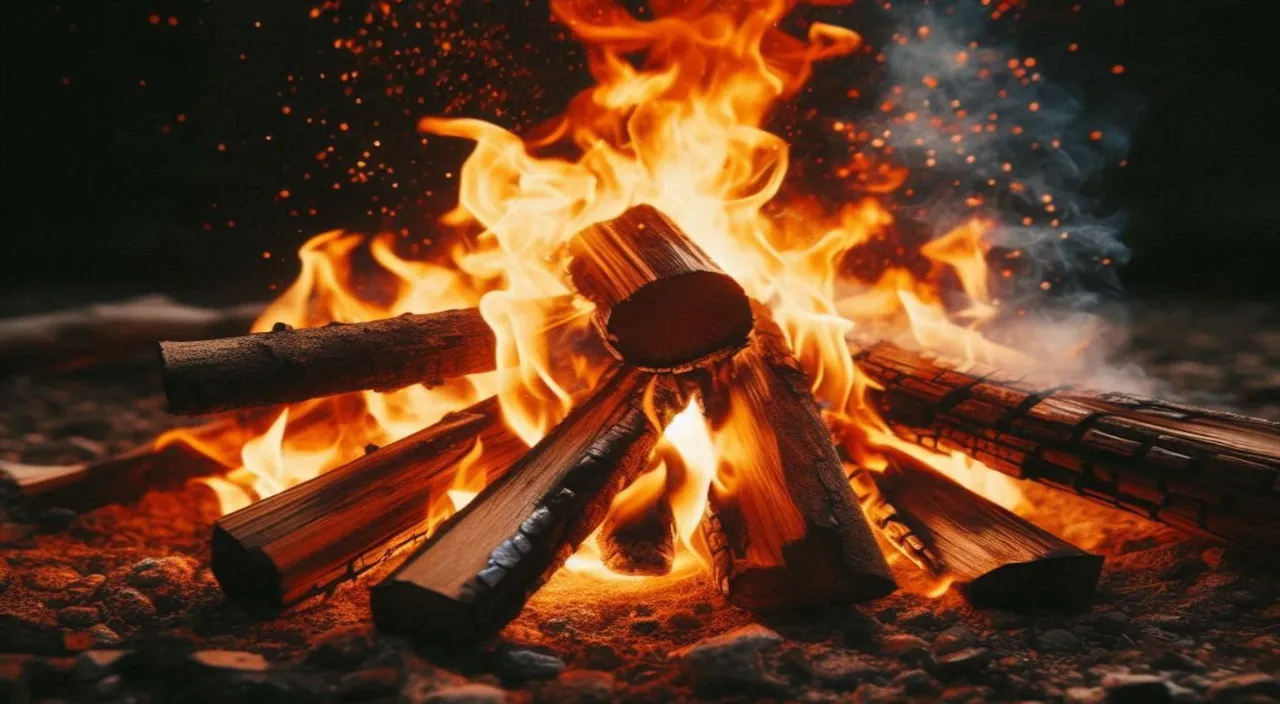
[
  {"x": 1239, "y": 686},
  {"x": 1084, "y": 695},
  {"x": 103, "y": 635},
  {"x": 875, "y": 694},
  {"x": 1125, "y": 688},
  {"x": 1057, "y": 640},
  {"x": 92, "y": 665},
  {"x": 1177, "y": 660},
  {"x": 235, "y": 660},
  {"x": 84, "y": 589},
  {"x": 130, "y": 606},
  {"x": 579, "y": 687},
  {"x": 919, "y": 618},
  {"x": 644, "y": 627},
  {"x": 108, "y": 687},
  {"x": 79, "y": 616},
  {"x": 369, "y": 684},
  {"x": 55, "y": 519},
  {"x": 1111, "y": 622},
  {"x": 846, "y": 670},
  {"x": 916, "y": 682},
  {"x": 902, "y": 643},
  {"x": 474, "y": 693},
  {"x": 601, "y": 657},
  {"x": 518, "y": 665},
  {"x": 953, "y": 639},
  {"x": 1005, "y": 620},
  {"x": 50, "y": 578},
  {"x": 684, "y": 622},
  {"x": 345, "y": 650},
  {"x": 965, "y": 661},
  {"x": 733, "y": 662},
  {"x": 966, "y": 694}
]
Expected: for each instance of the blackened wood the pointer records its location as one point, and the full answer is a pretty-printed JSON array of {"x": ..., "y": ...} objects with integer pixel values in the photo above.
[
  {"x": 1202, "y": 471},
  {"x": 316, "y": 534},
  {"x": 998, "y": 559},
  {"x": 784, "y": 528},
  {"x": 476, "y": 572},
  {"x": 886, "y": 519},
  {"x": 295, "y": 365},
  {"x": 641, "y": 539},
  {"x": 108, "y": 331},
  {"x": 662, "y": 304}
]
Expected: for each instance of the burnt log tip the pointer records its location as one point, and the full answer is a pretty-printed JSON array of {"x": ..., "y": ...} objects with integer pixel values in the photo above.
[
  {"x": 1056, "y": 582},
  {"x": 246, "y": 575}
]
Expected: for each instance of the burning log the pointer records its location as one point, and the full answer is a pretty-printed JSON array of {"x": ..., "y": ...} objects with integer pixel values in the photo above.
[
  {"x": 1203, "y": 471},
  {"x": 314, "y": 535},
  {"x": 886, "y": 518},
  {"x": 662, "y": 304},
  {"x": 105, "y": 331},
  {"x": 784, "y": 528},
  {"x": 639, "y": 537},
  {"x": 288, "y": 365},
  {"x": 999, "y": 559},
  {"x": 475, "y": 573}
]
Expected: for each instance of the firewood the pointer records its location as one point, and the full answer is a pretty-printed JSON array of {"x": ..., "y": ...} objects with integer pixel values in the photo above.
[
  {"x": 640, "y": 537},
  {"x": 662, "y": 304},
  {"x": 783, "y": 525},
  {"x": 288, "y": 365},
  {"x": 310, "y": 537},
  {"x": 106, "y": 331},
  {"x": 998, "y": 559},
  {"x": 475, "y": 573},
  {"x": 1202, "y": 471},
  {"x": 886, "y": 519}
]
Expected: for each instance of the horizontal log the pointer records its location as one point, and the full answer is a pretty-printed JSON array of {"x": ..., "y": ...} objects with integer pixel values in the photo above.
[
  {"x": 1203, "y": 471},
  {"x": 312, "y": 536},
  {"x": 639, "y": 534},
  {"x": 478, "y": 569}
]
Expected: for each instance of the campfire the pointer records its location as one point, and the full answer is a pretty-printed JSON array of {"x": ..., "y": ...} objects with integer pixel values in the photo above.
[{"x": 643, "y": 358}]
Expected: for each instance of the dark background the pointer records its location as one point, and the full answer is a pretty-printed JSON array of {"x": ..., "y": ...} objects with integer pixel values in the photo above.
[{"x": 117, "y": 186}]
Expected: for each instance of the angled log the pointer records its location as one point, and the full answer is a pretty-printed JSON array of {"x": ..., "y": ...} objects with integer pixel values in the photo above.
[
  {"x": 998, "y": 559},
  {"x": 639, "y": 535},
  {"x": 662, "y": 304},
  {"x": 101, "y": 332},
  {"x": 783, "y": 525},
  {"x": 288, "y": 365},
  {"x": 885, "y": 517},
  {"x": 312, "y": 536},
  {"x": 1203, "y": 471},
  {"x": 476, "y": 572}
]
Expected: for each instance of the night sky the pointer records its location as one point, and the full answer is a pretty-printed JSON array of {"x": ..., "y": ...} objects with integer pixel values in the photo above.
[{"x": 190, "y": 147}]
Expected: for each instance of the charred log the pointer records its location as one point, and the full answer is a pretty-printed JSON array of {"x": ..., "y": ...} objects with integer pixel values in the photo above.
[
  {"x": 476, "y": 572},
  {"x": 786, "y": 529},
  {"x": 639, "y": 537},
  {"x": 887, "y": 519},
  {"x": 998, "y": 559},
  {"x": 1203, "y": 471},
  {"x": 662, "y": 304}
]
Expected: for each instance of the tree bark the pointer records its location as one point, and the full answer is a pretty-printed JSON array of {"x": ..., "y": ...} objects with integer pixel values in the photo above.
[
  {"x": 476, "y": 572},
  {"x": 312, "y": 536},
  {"x": 1207, "y": 472},
  {"x": 783, "y": 525},
  {"x": 662, "y": 304}
]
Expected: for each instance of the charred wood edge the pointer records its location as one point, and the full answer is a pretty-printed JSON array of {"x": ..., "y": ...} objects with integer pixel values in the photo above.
[
  {"x": 567, "y": 481},
  {"x": 1202, "y": 471},
  {"x": 839, "y": 558},
  {"x": 645, "y": 544},
  {"x": 886, "y": 518},
  {"x": 107, "y": 331},
  {"x": 286, "y": 366},
  {"x": 120, "y": 479},
  {"x": 642, "y": 271},
  {"x": 315, "y": 535}
]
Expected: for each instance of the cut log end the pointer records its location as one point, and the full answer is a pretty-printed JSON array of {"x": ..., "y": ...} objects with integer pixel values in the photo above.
[
  {"x": 247, "y": 576},
  {"x": 1051, "y": 583},
  {"x": 644, "y": 545}
]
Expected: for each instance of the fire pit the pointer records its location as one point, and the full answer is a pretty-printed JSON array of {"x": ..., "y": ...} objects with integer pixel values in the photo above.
[{"x": 650, "y": 418}]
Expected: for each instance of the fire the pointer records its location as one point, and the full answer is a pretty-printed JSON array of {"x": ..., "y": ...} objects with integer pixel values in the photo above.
[{"x": 676, "y": 119}]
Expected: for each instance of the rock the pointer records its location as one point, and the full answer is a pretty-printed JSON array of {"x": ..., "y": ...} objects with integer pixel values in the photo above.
[
  {"x": 474, "y": 693},
  {"x": 102, "y": 635},
  {"x": 684, "y": 622},
  {"x": 1124, "y": 688},
  {"x": 79, "y": 616},
  {"x": 845, "y": 670},
  {"x": 733, "y": 662},
  {"x": 55, "y": 519},
  {"x": 236, "y": 660},
  {"x": 1057, "y": 640},
  {"x": 1110, "y": 622},
  {"x": 644, "y": 627},
  {"x": 519, "y": 665},
  {"x": 84, "y": 589},
  {"x": 1176, "y": 660},
  {"x": 369, "y": 684},
  {"x": 168, "y": 581},
  {"x": 923, "y": 618},
  {"x": 966, "y": 661},
  {"x": 579, "y": 687},
  {"x": 953, "y": 639},
  {"x": 130, "y": 606},
  {"x": 108, "y": 687},
  {"x": 902, "y": 643},
  {"x": 915, "y": 682},
  {"x": 92, "y": 665},
  {"x": 241, "y": 687},
  {"x": 6, "y": 575},
  {"x": 345, "y": 650},
  {"x": 1240, "y": 686},
  {"x": 50, "y": 578},
  {"x": 1084, "y": 695},
  {"x": 1005, "y": 620},
  {"x": 858, "y": 630},
  {"x": 601, "y": 657}
]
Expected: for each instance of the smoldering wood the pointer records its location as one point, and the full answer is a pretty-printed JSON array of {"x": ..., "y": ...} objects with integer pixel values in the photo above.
[
  {"x": 101, "y": 332},
  {"x": 476, "y": 572},
  {"x": 642, "y": 541},
  {"x": 287, "y": 366},
  {"x": 662, "y": 303},
  {"x": 789, "y": 531},
  {"x": 998, "y": 559},
  {"x": 1202, "y": 471},
  {"x": 312, "y": 536}
]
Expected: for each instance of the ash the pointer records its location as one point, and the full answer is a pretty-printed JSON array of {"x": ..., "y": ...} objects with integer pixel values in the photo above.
[{"x": 119, "y": 604}]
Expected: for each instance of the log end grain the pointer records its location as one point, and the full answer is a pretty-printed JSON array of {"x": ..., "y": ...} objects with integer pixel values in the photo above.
[{"x": 246, "y": 575}]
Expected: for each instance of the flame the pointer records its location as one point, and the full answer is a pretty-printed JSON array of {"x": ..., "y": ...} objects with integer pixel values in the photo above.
[{"x": 676, "y": 119}]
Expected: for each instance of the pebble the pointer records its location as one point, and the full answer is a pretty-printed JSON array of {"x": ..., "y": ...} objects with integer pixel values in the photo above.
[
  {"x": 733, "y": 662},
  {"x": 916, "y": 682},
  {"x": 56, "y": 518},
  {"x": 130, "y": 605},
  {"x": 923, "y": 618},
  {"x": 1057, "y": 640},
  {"x": 1084, "y": 695},
  {"x": 645, "y": 626},
  {"x": 966, "y": 661},
  {"x": 579, "y": 687},
  {"x": 84, "y": 589},
  {"x": 1239, "y": 686},
  {"x": 79, "y": 616},
  {"x": 953, "y": 639},
  {"x": 92, "y": 665},
  {"x": 474, "y": 693},
  {"x": 519, "y": 665},
  {"x": 236, "y": 660},
  {"x": 1125, "y": 688},
  {"x": 50, "y": 578},
  {"x": 369, "y": 684},
  {"x": 103, "y": 635},
  {"x": 601, "y": 657},
  {"x": 345, "y": 650},
  {"x": 1177, "y": 660},
  {"x": 846, "y": 670},
  {"x": 902, "y": 643}
]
